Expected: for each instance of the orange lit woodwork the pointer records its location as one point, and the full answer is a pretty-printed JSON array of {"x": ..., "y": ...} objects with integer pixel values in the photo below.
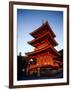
[{"x": 44, "y": 50}]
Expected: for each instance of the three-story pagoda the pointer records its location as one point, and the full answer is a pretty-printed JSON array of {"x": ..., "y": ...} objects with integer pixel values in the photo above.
[{"x": 44, "y": 55}]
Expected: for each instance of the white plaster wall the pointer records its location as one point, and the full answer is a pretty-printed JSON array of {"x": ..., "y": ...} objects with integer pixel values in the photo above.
[{"x": 4, "y": 46}]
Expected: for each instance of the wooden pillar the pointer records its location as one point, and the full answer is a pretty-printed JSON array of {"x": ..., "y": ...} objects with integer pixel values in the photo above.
[
  {"x": 38, "y": 72},
  {"x": 27, "y": 70}
]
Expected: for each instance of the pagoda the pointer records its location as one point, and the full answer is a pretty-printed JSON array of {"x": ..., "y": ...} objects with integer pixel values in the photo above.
[{"x": 44, "y": 55}]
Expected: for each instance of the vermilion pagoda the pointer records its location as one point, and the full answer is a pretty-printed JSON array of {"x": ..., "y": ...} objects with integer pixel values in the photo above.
[{"x": 44, "y": 55}]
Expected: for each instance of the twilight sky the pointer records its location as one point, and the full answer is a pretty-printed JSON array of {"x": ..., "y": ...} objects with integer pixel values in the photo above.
[{"x": 30, "y": 20}]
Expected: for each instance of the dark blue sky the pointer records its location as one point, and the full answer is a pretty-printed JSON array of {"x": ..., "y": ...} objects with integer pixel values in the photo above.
[{"x": 29, "y": 20}]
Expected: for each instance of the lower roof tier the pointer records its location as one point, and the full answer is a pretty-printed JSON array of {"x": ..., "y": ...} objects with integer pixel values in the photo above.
[{"x": 44, "y": 50}]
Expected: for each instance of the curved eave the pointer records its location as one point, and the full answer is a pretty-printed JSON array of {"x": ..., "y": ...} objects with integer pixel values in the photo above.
[
  {"x": 50, "y": 49},
  {"x": 33, "y": 33},
  {"x": 33, "y": 42}
]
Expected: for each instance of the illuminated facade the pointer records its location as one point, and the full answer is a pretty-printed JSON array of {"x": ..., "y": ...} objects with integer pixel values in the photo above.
[{"x": 44, "y": 56}]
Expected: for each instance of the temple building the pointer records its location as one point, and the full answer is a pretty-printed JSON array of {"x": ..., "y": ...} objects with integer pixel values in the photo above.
[{"x": 45, "y": 56}]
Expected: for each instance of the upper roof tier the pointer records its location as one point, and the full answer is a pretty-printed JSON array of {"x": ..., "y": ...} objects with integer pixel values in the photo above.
[
  {"x": 47, "y": 36},
  {"x": 42, "y": 29}
]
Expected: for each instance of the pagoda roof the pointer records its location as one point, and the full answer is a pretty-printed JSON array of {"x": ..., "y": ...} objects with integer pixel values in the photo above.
[
  {"x": 46, "y": 49},
  {"x": 41, "y": 29},
  {"x": 46, "y": 35}
]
